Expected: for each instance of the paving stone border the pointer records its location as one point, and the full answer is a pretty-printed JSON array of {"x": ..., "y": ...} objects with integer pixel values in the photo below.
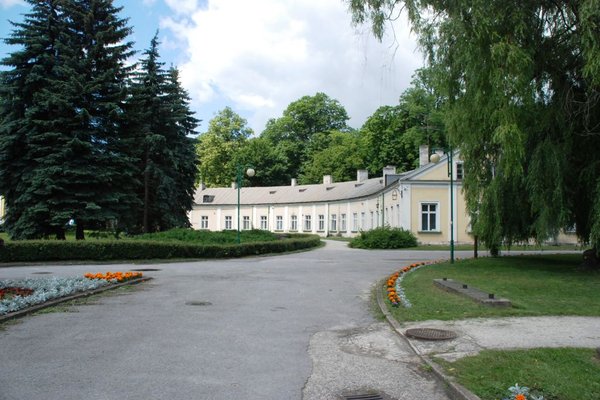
[
  {"x": 489, "y": 299},
  {"x": 54, "y": 302}
]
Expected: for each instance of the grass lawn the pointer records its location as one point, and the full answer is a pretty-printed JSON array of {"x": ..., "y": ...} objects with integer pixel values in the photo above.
[
  {"x": 557, "y": 374},
  {"x": 536, "y": 285}
]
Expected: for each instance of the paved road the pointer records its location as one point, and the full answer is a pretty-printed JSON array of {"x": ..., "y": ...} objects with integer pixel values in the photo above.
[{"x": 295, "y": 326}]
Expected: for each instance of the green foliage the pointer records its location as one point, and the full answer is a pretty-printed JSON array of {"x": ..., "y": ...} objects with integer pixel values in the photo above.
[
  {"x": 162, "y": 122},
  {"x": 294, "y": 133},
  {"x": 62, "y": 152},
  {"x": 207, "y": 237},
  {"x": 339, "y": 156},
  {"x": 521, "y": 86},
  {"x": 50, "y": 250},
  {"x": 393, "y": 134},
  {"x": 384, "y": 238},
  {"x": 219, "y": 148}
]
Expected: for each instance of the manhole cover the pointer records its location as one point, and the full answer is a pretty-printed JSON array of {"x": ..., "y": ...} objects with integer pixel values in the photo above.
[
  {"x": 41, "y": 273},
  {"x": 430, "y": 334},
  {"x": 198, "y": 303},
  {"x": 145, "y": 269},
  {"x": 363, "y": 397}
]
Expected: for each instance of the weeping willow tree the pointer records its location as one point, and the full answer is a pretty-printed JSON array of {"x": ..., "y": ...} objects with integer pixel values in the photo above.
[{"x": 522, "y": 79}]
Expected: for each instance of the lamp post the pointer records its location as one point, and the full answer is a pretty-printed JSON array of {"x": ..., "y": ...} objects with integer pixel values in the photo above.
[
  {"x": 435, "y": 158},
  {"x": 250, "y": 173}
]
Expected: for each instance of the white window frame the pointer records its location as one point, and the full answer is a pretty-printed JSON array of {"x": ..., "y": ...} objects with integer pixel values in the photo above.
[
  {"x": 435, "y": 212},
  {"x": 321, "y": 223},
  {"x": 294, "y": 223},
  {"x": 204, "y": 222},
  {"x": 246, "y": 222},
  {"x": 307, "y": 223},
  {"x": 264, "y": 223},
  {"x": 362, "y": 220},
  {"x": 342, "y": 222},
  {"x": 333, "y": 225},
  {"x": 279, "y": 222},
  {"x": 228, "y": 222},
  {"x": 354, "y": 222}
]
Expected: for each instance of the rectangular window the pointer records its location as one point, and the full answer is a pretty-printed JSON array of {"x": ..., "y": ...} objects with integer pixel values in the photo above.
[
  {"x": 263, "y": 223},
  {"x": 372, "y": 220},
  {"x": 334, "y": 222},
  {"x": 354, "y": 222},
  {"x": 294, "y": 223},
  {"x": 321, "y": 222},
  {"x": 246, "y": 222},
  {"x": 204, "y": 222},
  {"x": 429, "y": 217},
  {"x": 279, "y": 223},
  {"x": 459, "y": 171},
  {"x": 362, "y": 220},
  {"x": 307, "y": 223},
  {"x": 228, "y": 222},
  {"x": 342, "y": 222}
]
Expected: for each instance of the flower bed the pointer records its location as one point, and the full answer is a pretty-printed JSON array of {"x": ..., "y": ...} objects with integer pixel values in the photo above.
[
  {"x": 17, "y": 295},
  {"x": 395, "y": 292},
  {"x": 114, "y": 276}
]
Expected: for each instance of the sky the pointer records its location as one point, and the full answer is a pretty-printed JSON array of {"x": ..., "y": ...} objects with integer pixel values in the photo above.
[{"x": 259, "y": 56}]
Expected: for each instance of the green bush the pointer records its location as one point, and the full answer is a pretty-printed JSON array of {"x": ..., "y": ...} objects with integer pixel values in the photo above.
[
  {"x": 208, "y": 237},
  {"x": 384, "y": 238},
  {"x": 100, "y": 250}
]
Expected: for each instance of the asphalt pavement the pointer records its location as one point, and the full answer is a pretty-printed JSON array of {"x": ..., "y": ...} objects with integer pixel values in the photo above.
[{"x": 295, "y": 326}]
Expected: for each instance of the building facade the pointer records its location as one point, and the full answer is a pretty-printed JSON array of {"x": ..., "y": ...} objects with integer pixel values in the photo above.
[{"x": 418, "y": 201}]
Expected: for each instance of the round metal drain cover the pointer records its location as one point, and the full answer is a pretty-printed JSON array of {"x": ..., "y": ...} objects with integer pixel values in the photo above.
[
  {"x": 145, "y": 269},
  {"x": 198, "y": 303},
  {"x": 430, "y": 334},
  {"x": 41, "y": 273}
]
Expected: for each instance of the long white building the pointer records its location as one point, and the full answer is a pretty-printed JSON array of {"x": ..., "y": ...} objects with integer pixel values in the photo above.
[{"x": 418, "y": 200}]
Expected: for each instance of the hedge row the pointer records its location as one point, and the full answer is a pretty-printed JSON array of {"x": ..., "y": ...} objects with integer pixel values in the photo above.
[{"x": 99, "y": 250}]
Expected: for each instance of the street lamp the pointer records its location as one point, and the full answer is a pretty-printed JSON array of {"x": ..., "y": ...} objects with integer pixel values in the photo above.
[
  {"x": 435, "y": 158},
  {"x": 250, "y": 173}
]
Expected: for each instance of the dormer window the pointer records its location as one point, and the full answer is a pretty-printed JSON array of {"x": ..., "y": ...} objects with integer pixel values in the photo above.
[
  {"x": 207, "y": 198},
  {"x": 459, "y": 171}
]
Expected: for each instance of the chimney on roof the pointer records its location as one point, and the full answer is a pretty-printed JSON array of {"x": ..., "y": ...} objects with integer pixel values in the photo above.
[
  {"x": 294, "y": 182},
  {"x": 233, "y": 185},
  {"x": 423, "y": 155},
  {"x": 201, "y": 186},
  {"x": 327, "y": 180},
  {"x": 362, "y": 175},
  {"x": 389, "y": 170}
]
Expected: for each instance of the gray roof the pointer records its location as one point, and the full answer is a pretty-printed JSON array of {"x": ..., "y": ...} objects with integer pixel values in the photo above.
[{"x": 337, "y": 191}]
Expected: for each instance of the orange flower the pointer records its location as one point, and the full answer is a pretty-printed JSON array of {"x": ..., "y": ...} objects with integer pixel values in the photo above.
[{"x": 520, "y": 397}]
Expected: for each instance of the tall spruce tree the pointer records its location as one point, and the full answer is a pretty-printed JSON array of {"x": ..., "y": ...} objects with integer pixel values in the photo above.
[
  {"x": 61, "y": 153},
  {"x": 162, "y": 121},
  {"x": 102, "y": 171},
  {"x": 34, "y": 119}
]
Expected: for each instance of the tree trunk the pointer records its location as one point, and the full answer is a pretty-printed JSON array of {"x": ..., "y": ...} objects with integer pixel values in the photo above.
[
  {"x": 475, "y": 247},
  {"x": 60, "y": 234},
  {"x": 79, "y": 235}
]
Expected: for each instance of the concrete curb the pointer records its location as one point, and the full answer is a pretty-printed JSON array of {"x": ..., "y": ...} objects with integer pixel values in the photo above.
[
  {"x": 454, "y": 390},
  {"x": 54, "y": 302}
]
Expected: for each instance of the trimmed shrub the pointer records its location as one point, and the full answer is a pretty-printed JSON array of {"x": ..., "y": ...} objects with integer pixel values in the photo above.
[
  {"x": 206, "y": 237},
  {"x": 101, "y": 250},
  {"x": 384, "y": 238}
]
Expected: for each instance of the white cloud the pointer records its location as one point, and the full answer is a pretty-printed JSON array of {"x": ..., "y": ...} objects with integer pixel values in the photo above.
[
  {"x": 258, "y": 56},
  {"x": 10, "y": 3}
]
